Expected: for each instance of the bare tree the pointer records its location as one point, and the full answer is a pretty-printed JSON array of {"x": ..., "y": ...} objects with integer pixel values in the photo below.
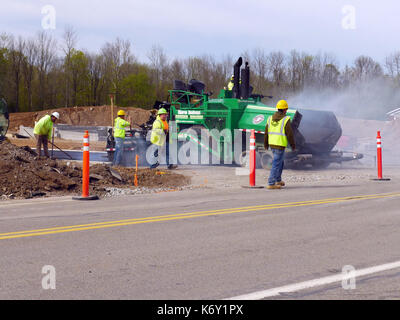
[
  {"x": 31, "y": 55},
  {"x": 46, "y": 46},
  {"x": 4, "y": 39},
  {"x": 365, "y": 68},
  {"x": 346, "y": 77},
  {"x": 392, "y": 65},
  {"x": 218, "y": 76},
  {"x": 159, "y": 66},
  {"x": 177, "y": 70},
  {"x": 227, "y": 66},
  {"x": 96, "y": 67},
  {"x": 16, "y": 48},
  {"x": 260, "y": 67},
  {"x": 117, "y": 56},
  {"x": 70, "y": 38},
  {"x": 294, "y": 69},
  {"x": 330, "y": 76},
  {"x": 276, "y": 61}
]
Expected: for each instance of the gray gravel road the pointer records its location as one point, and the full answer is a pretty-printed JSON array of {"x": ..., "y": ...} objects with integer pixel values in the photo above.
[{"x": 211, "y": 242}]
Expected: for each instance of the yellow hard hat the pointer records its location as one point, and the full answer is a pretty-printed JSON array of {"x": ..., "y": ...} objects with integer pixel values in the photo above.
[
  {"x": 121, "y": 113},
  {"x": 162, "y": 111},
  {"x": 282, "y": 105}
]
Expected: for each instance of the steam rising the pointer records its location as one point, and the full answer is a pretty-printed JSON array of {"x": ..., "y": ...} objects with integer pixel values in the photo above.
[
  {"x": 364, "y": 100},
  {"x": 361, "y": 110}
]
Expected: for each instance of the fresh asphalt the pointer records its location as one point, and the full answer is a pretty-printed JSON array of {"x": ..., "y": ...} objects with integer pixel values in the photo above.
[{"x": 185, "y": 245}]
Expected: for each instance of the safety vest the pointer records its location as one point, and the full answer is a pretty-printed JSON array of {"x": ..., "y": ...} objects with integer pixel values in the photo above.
[
  {"x": 119, "y": 127},
  {"x": 230, "y": 85},
  {"x": 44, "y": 127},
  {"x": 158, "y": 132},
  {"x": 276, "y": 132}
]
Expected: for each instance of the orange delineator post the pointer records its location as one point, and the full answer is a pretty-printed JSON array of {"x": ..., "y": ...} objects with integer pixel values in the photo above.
[
  {"x": 85, "y": 165},
  {"x": 85, "y": 170},
  {"x": 136, "y": 180},
  {"x": 379, "y": 154},
  {"x": 379, "y": 158},
  {"x": 252, "y": 163}
]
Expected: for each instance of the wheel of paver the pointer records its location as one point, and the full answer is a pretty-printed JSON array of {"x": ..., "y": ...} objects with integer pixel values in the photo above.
[
  {"x": 244, "y": 159},
  {"x": 266, "y": 161},
  {"x": 320, "y": 165}
]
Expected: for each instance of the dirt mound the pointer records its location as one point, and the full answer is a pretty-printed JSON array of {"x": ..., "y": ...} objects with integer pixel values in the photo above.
[
  {"x": 22, "y": 175},
  {"x": 80, "y": 116}
]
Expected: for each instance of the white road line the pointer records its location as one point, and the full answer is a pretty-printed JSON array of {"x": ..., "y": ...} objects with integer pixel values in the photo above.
[{"x": 316, "y": 282}]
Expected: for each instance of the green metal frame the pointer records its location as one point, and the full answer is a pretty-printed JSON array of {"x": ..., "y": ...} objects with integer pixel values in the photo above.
[{"x": 224, "y": 112}]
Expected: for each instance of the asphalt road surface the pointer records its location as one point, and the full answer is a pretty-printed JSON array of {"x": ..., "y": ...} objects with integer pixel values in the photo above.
[{"x": 204, "y": 244}]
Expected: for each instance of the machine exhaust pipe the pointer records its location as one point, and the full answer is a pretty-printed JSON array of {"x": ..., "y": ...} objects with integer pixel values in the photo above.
[
  {"x": 236, "y": 74},
  {"x": 245, "y": 87}
]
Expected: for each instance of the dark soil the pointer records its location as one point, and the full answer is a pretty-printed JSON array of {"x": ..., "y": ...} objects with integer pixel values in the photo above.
[
  {"x": 23, "y": 175},
  {"x": 80, "y": 116}
]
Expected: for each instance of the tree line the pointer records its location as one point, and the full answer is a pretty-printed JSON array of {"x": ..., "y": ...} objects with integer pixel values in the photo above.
[{"x": 40, "y": 72}]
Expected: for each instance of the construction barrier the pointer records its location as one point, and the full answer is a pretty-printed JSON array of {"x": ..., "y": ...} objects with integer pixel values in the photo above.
[
  {"x": 250, "y": 130},
  {"x": 379, "y": 158},
  {"x": 85, "y": 170},
  {"x": 379, "y": 154},
  {"x": 252, "y": 162}
]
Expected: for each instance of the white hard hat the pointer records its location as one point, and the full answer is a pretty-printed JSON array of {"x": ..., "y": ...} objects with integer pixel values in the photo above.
[{"x": 56, "y": 114}]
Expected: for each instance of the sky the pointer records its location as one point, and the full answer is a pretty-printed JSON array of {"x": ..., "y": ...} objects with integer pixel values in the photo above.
[{"x": 183, "y": 28}]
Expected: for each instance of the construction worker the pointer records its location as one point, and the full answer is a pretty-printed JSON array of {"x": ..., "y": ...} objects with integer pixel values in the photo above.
[
  {"x": 119, "y": 136},
  {"x": 160, "y": 138},
  {"x": 278, "y": 133},
  {"x": 43, "y": 131},
  {"x": 231, "y": 83}
]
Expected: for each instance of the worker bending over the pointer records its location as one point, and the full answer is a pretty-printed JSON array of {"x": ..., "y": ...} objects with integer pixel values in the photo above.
[
  {"x": 160, "y": 138},
  {"x": 43, "y": 131},
  {"x": 278, "y": 133},
  {"x": 119, "y": 136}
]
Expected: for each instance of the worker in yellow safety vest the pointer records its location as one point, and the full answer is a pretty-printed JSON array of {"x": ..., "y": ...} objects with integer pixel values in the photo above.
[
  {"x": 160, "y": 138},
  {"x": 43, "y": 131},
  {"x": 231, "y": 83},
  {"x": 119, "y": 136},
  {"x": 278, "y": 134}
]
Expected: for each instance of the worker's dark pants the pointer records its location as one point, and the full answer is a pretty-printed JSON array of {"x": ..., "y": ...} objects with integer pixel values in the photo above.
[
  {"x": 157, "y": 155},
  {"x": 277, "y": 166},
  {"x": 119, "y": 151},
  {"x": 41, "y": 140}
]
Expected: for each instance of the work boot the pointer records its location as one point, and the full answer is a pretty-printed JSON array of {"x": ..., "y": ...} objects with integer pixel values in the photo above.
[
  {"x": 275, "y": 186},
  {"x": 280, "y": 183},
  {"x": 172, "y": 166}
]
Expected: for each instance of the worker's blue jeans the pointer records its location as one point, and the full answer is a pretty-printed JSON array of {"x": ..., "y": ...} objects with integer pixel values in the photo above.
[
  {"x": 156, "y": 157},
  {"x": 277, "y": 166},
  {"x": 119, "y": 151}
]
